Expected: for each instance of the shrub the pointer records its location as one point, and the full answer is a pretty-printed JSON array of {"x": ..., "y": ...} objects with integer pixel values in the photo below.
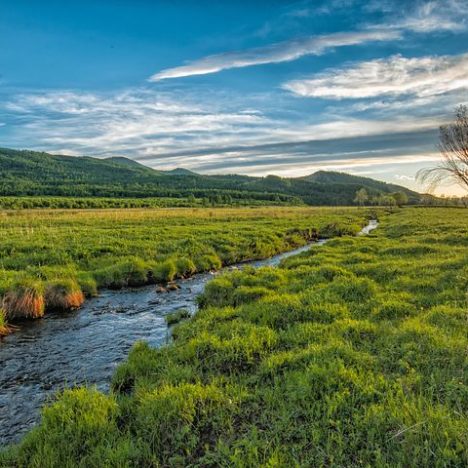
[{"x": 64, "y": 294}]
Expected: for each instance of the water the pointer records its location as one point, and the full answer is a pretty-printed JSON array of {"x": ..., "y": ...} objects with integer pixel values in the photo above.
[{"x": 85, "y": 346}]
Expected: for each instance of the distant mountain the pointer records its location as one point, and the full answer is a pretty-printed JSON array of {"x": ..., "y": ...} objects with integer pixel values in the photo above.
[
  {"x": 181, "y": 171},
  {"x": 24, "y": 173},
  {"x": 125, "y": 161},
  {"x": 373, "y": 187}
]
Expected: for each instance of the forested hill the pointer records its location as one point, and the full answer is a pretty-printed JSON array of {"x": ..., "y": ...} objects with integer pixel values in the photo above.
[{"x": 24, "y": 173}]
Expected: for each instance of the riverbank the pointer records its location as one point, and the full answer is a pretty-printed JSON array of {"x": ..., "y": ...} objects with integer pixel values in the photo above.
[
  {"x": 46, "y": 356},
  {"x": 351, "y": 353},
  {"x": 53, "y": 260}
]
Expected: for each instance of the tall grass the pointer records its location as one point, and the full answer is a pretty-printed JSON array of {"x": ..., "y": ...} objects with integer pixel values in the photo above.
[
  {"x": 325, "y": 361},
  {"x": 4, "y": 328},
  {"x": 65, "y": 255}
]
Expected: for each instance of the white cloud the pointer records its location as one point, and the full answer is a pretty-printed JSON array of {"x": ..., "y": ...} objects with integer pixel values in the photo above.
[
  {"x": 420, "y": 17},
  {"x": 165, "y": 131},
  {"x": 134, "y": 121},
  {"x": 433, "y": 16},
  {"x": 275, "y": 53},
  {"x": 407, "y": 178},
  {"x": 421, "y": 77}
]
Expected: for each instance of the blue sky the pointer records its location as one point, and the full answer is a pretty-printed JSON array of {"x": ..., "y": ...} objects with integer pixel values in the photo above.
[{"x": 252, "y": 87}]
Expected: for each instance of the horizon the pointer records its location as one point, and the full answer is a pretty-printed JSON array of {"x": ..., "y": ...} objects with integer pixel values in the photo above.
[
  {"x": 181, "y": 168},
  {"x": 235, "y": 87}
]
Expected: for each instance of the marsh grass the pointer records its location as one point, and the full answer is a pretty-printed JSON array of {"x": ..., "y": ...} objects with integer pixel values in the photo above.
[
  {"x": 4, "y": 328},
  {"x": 64, "y": 294},
  {"x": 324, "y": 361},
  {"x": 24, "y": 299},
  {"x": 177, "y": 316},
  {"x": 62, "y": 256}
]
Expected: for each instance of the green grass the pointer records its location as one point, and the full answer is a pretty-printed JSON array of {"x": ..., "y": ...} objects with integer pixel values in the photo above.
[
  {"x": 351, "y": 354},
  {"x": 47, "y": 202},
  {"x": 87, "y": 250},
  {"x": 4, "y": 329},
  {"x": 177, "y": 316}
]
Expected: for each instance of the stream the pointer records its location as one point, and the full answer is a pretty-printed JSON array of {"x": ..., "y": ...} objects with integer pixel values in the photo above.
[{"x": 85, "y": 346}]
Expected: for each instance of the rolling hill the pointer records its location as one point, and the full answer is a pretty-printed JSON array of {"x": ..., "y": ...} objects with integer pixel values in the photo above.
[{"x": 28, "y": 173}]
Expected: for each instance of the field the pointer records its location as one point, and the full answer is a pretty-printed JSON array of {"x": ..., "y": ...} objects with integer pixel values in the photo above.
[
  {"x": 21, "y": 203},
  {"x": 352, "y": 354},
  {"x": 53, "y": 259}
]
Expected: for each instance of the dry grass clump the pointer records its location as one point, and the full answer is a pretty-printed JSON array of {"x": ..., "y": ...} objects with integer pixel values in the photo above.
[
  {"x": 24, "y": 300},
  {"x": 4, "y": 328},
  {"x": 63, "y": 295}
]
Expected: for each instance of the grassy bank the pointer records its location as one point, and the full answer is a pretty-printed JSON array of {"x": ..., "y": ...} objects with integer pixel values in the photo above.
[
  {"x": 53, "y": 259},
  {"x": 352, "y": 354}
]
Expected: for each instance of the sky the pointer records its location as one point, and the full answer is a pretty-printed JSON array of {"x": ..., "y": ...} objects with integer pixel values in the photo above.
[{"x": 251, "y": 87}]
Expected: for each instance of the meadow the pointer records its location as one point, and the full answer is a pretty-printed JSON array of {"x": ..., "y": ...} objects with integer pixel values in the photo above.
[
  {"x": 218, "y": 200},
  {"x": 52, "y": 259},
  {"x": 351, "y": 354}
]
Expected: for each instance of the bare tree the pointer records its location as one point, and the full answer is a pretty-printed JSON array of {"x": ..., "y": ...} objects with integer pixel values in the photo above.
[{"x": 453, "y": 145}]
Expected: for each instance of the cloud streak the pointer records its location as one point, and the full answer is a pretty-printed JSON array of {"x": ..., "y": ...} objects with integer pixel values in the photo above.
[
  {"x": 419, "y": 77},
  {"x": 276, "y": 53},
  {"x": 425, "y": 17},
  {"x": 434, "y": 16}
]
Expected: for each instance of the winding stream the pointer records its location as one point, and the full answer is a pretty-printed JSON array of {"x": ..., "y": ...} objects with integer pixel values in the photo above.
[{"x": 85, "y": 346}]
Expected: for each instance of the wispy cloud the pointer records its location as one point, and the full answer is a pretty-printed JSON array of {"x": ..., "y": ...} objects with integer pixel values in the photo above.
[
  {"x": 420, "y": 17},
  {"x": 166, "y": 132},
  {"x": 275, "y": 53},
  {"x": 432, "y": 16},
  {"x": 420, "y": 77},
  {"x": 133, "y": 122}
]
